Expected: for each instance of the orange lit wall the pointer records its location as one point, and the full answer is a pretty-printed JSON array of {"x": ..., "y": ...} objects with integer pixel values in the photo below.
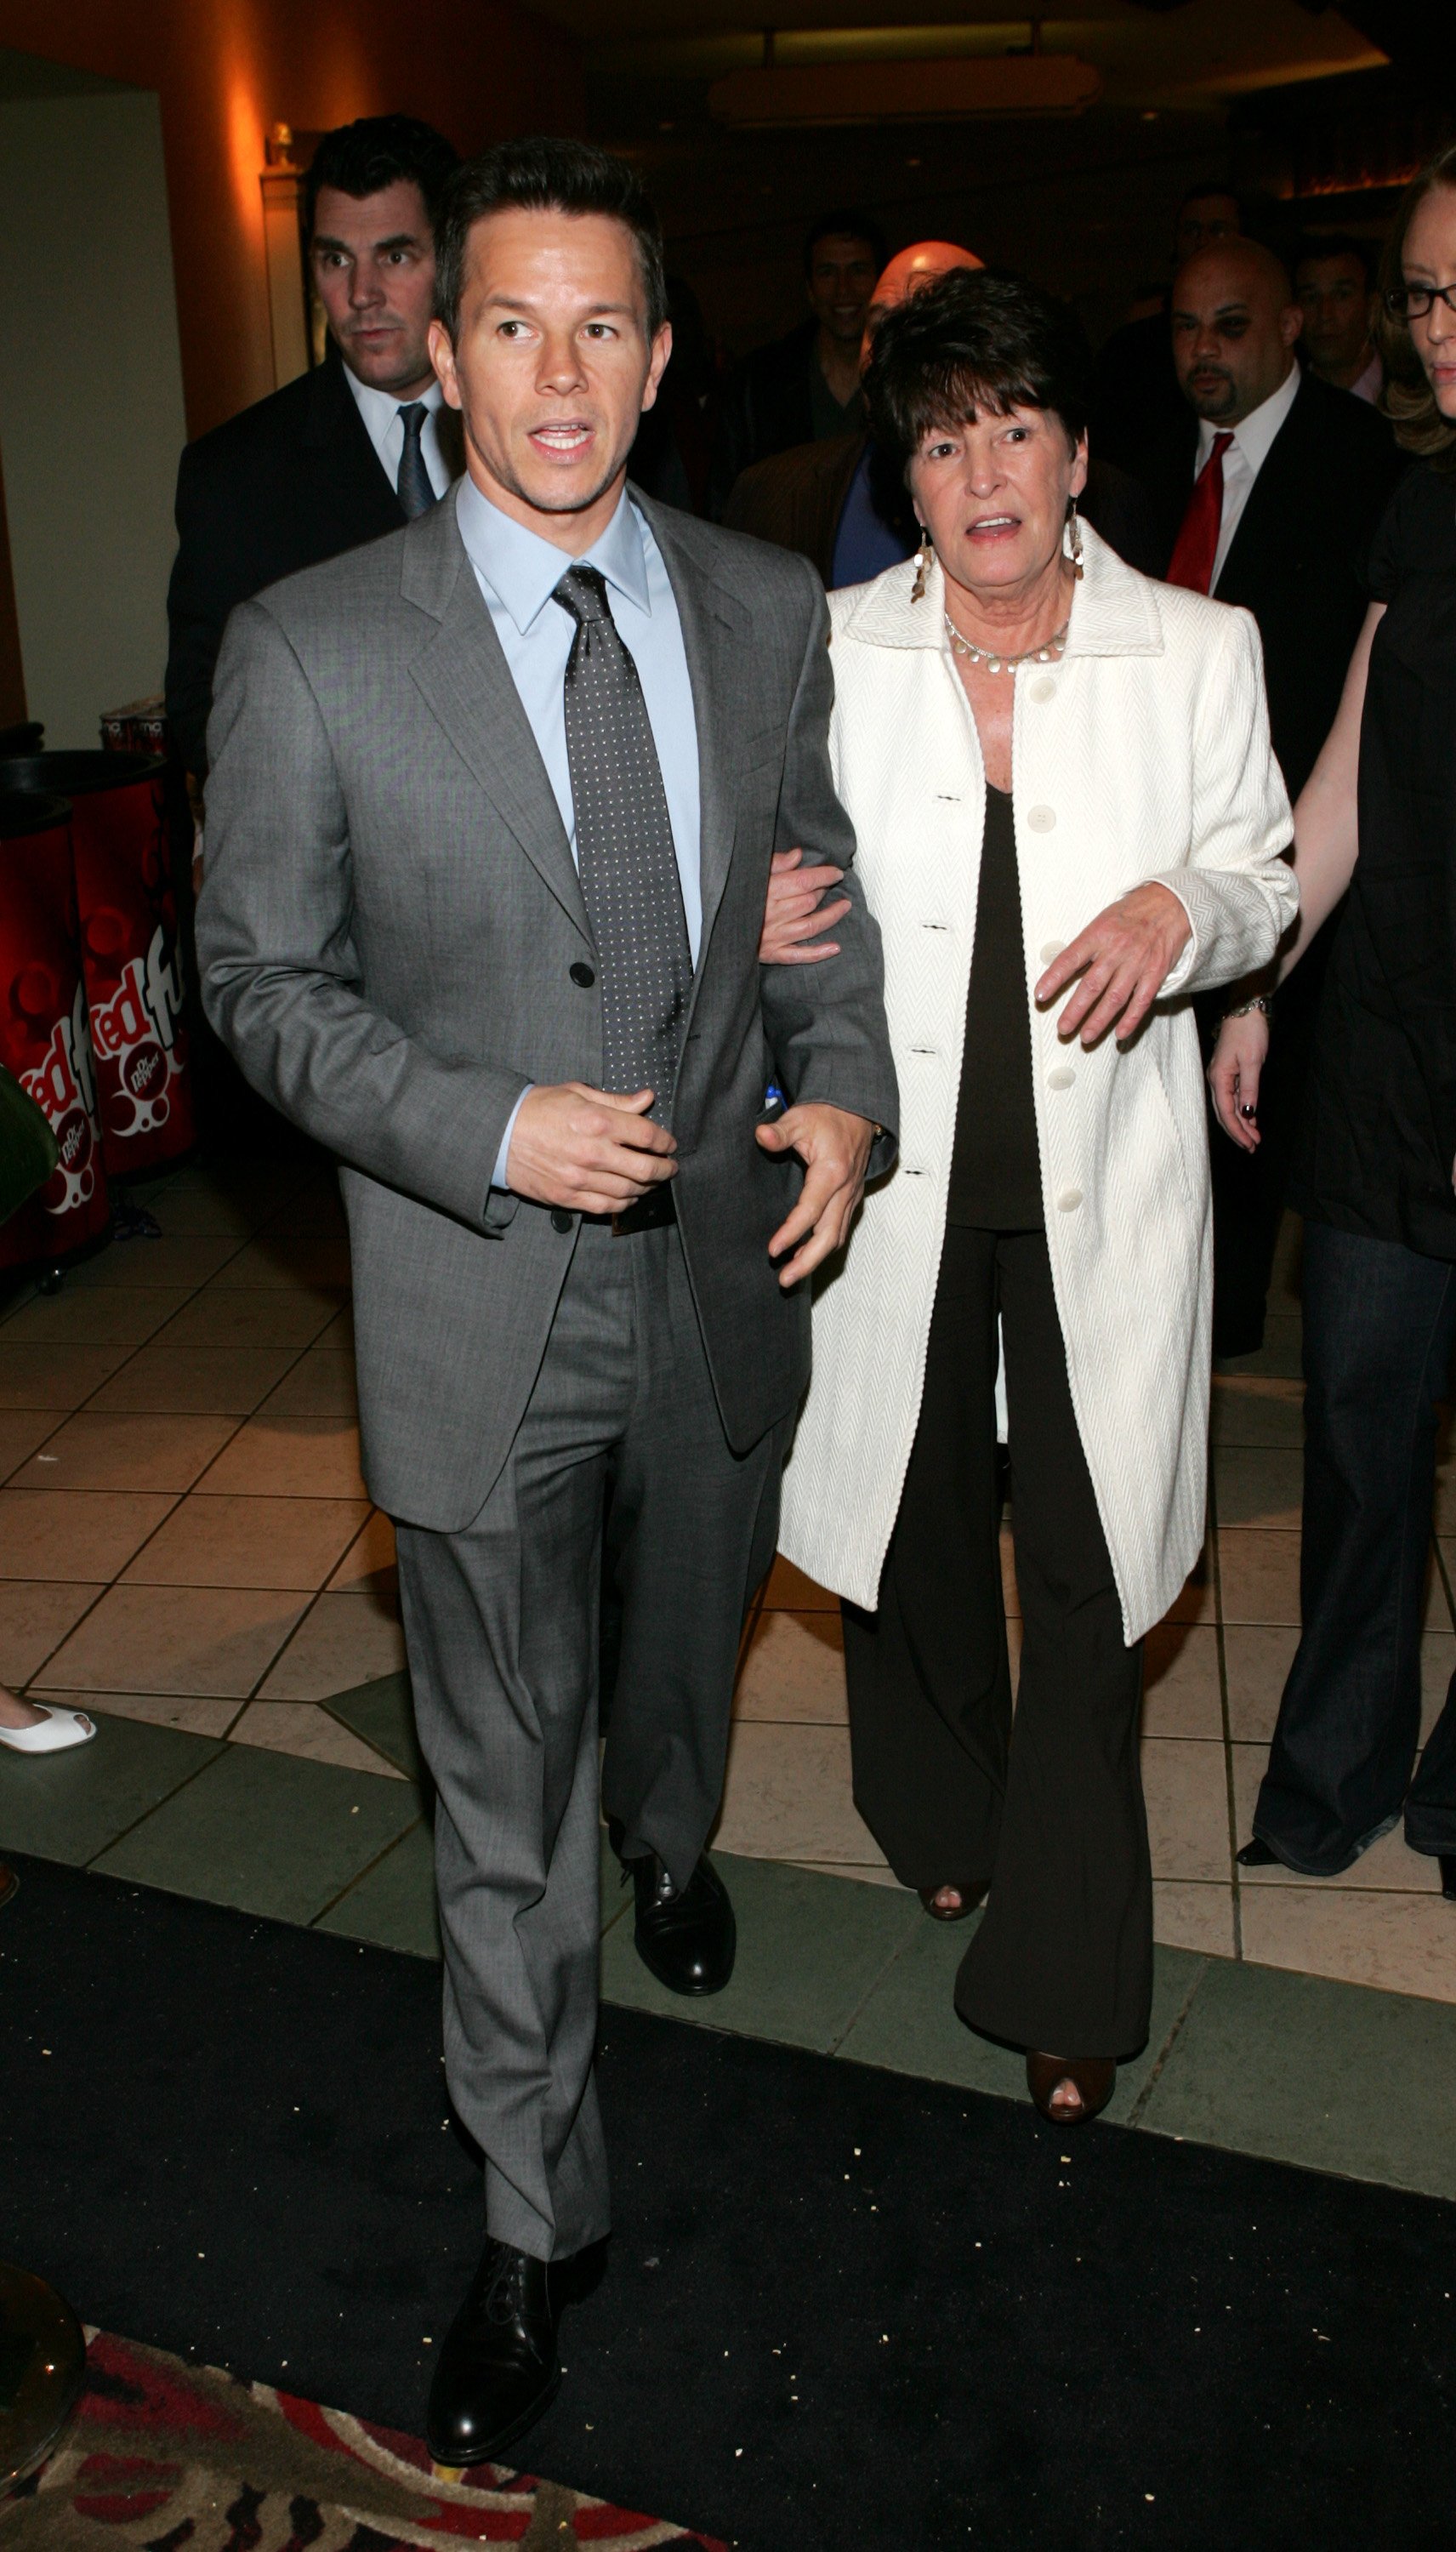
[{"x": 226, "y": 70}]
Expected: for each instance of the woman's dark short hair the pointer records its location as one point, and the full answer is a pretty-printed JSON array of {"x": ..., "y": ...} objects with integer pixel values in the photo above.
[
  {"x": 378, "y": 150},
  {"x": 974, "y": 343},
  {"x": 545, "y": 175},
  {"x": 1408, "y": 397}
]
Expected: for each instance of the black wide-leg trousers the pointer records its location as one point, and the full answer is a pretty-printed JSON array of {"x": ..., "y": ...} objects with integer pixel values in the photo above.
[
  {"x": 1380, "y": 1325},
  {"x": 1051, "y": 1812}
]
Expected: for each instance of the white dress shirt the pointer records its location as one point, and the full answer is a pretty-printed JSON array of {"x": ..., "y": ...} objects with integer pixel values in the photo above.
[
  {"x": 1371, "y": 382},
  {"x": 1244, "y": 459},
  {"x": 380, "y": 412},
  {"x": 518, "y": 572}
]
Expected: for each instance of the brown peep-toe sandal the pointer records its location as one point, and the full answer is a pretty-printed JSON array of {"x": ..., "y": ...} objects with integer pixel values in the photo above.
[{"x": 1093, "y": 2078}]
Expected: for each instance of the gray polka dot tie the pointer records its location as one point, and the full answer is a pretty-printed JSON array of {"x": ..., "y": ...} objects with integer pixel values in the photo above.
[{"x": 624, "y": 851}]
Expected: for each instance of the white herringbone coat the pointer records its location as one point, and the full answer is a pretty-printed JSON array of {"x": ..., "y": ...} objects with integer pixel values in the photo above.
[{"x": 1144, "y": 753}]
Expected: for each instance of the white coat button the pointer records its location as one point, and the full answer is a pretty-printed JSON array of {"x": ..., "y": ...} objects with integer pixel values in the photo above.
[
  {"x": 1043, "y": 688},
  {"x": 1061, "y": 1079},
  {"x": 1041, "y": 819},
  {"x": 1069, "y": 1199},
  {"x": 1052, "y": 951}
]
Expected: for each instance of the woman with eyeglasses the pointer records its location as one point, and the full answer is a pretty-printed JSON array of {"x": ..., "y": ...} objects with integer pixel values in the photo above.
[{"x": 1376, "y": 1172}]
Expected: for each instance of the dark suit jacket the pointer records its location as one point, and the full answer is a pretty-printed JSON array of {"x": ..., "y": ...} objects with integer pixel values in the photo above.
[
  {"x": 291, "y": 481},
  {"x": 1297, "y": 561},
  {"x": 767, "y": 408},
  {"x": 795, "y": 499},
  {"x": 393, "y": 936}
]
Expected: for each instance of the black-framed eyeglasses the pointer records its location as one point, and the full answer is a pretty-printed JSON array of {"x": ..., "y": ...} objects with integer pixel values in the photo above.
[{"x": 1413, "y": 300}]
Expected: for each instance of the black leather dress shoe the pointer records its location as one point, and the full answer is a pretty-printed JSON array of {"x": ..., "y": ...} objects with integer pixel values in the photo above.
[
  {"x": 1447, "y": 1863},
  {"x": 685, "y": 1936},
  {"x": 499, "y": 2369},
  {"x": 1257, "y": 1854}
]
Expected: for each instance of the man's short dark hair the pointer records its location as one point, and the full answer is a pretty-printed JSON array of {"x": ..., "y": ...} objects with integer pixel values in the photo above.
[
  {"x": 846, "y": 221},
  {"x": 545, "y": 175},
  {"x": 378, "y": 150},
  {"x": 975, "y": 342},
  {"x": 1338, "y": 243}
]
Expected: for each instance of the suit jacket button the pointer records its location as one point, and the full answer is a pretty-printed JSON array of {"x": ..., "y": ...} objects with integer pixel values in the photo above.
[
  {"x": 583, "y": 975},
  {"x": 561, "y": 1221}
]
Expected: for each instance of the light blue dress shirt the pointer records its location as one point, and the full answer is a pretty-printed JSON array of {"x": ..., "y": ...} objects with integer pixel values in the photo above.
[{"x": 518, "y": 572}]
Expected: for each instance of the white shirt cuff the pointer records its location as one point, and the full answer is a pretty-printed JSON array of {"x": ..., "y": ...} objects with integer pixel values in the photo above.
[{"x": 498, "y": 1177}]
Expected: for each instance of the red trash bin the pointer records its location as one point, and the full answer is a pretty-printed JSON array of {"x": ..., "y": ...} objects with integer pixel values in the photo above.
[
  {"x": 131, "y": 954},
  {"x": 44, "y": 1035}
]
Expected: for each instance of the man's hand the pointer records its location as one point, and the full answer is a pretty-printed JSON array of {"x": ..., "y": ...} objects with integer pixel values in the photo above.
[
  {"x": 1234, "y": 1071},
  {"x": 594, "y": 1151},
  {"x": 834, "y": 1148},
  {"x": 794, "y": 914},
  {"x": 1124, "y": 959}
]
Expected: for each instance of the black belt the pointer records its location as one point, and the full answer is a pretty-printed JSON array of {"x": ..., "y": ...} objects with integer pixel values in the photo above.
[{"x": 651, "y": 1212}]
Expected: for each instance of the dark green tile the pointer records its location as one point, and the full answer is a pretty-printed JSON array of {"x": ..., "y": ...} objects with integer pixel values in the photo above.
[
  {"x": 1342, "y": 2077},
  {"x": 909, "y": 2023},
  {"x": 393, "y": 1903},
  {"x": 383, "y": 1714},
  {"x": 266, "y": 1832},
  {"x": 70, "y": 1806},
  {"x": 809, "y": 1949}
]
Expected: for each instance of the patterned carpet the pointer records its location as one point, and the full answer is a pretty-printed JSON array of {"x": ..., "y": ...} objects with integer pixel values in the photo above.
[{"x": 178, "y": 2458}]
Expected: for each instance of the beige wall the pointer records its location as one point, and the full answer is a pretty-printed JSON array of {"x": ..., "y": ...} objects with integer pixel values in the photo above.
[{"x": 91, "y": 417}]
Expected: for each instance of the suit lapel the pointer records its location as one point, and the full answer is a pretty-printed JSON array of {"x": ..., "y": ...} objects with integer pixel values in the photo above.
[
  {"x": 467, "y": 682},
  {"x": 1274, "y": 502},
  {"x": 349, "y": 481},
  {"x": 718, "y": 638}
]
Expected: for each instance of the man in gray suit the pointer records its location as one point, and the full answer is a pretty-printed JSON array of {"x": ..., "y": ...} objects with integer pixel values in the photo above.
[{"x": 490, "y": 820}]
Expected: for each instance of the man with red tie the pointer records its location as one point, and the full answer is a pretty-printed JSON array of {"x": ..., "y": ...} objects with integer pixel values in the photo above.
[{"x": 1268, "y": 495}]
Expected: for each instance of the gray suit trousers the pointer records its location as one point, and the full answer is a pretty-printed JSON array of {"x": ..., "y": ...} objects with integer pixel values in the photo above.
[{"x": 501, "y": 1623}]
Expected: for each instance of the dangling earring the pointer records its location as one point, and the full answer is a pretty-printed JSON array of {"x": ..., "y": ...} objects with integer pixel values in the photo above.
[
  {"x": 922, "y": 562},
  {"x": 1074, "y": 540}
]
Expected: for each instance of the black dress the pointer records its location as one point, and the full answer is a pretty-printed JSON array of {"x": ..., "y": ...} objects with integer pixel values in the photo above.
[
  {"x": 1053, "y": 1821},
  {"x": 1378, "y": 1137}
]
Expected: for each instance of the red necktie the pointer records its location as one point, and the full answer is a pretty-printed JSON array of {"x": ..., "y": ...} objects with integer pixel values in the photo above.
[{"x": 1196, "y": 546}]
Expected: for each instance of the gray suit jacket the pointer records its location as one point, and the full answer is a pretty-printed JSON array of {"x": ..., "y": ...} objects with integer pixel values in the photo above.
[{"x": 387, "y": 925}]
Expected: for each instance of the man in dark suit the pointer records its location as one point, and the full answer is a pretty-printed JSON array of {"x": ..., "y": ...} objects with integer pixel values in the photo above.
[
  {"x": 492, "y": 815},
  {"x": 1135, "y": 397},
  {"x": 805, "y": 387},
  {"x": 1267, "y": 490},
  {"x": 351, "y": 449}
]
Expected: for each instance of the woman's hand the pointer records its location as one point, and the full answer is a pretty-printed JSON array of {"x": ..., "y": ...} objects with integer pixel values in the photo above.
[
  {"x": 794, "y": 914},
  {"x": 1233, "y": 1076},
  {"x": 1124, "y": 959}
]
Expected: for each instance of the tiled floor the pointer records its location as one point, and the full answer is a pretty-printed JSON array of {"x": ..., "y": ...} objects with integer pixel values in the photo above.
[{"x": 186, "y": 1539}]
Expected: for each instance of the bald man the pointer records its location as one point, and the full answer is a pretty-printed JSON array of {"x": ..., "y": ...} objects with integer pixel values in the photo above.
[
  {"x": 1269, "y": 488},
  {"x": 818, "y": 499}
]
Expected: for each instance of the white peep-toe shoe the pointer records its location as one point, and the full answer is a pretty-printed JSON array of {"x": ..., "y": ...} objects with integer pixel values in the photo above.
[{"x": 58, "y": 1729}]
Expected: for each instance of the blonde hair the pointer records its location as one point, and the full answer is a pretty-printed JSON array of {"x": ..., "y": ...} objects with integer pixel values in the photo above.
[{"x": 1408, "y": 398}]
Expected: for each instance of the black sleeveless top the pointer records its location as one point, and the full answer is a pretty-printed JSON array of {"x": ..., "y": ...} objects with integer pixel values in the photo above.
[
  {"x": 995, "y": 1165},
  {"x": 1379, "y": 1133}
]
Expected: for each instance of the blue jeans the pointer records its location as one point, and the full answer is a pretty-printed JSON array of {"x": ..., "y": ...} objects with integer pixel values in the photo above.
[{"x": 1380, "y": 1320}]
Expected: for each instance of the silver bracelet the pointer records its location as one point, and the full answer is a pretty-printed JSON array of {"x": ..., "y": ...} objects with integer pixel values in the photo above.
[{"x": 1261, "y": 1002}]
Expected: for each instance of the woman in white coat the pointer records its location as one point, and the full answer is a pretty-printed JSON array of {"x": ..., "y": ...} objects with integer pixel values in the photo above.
[{"x": 1069, "y": 819}]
